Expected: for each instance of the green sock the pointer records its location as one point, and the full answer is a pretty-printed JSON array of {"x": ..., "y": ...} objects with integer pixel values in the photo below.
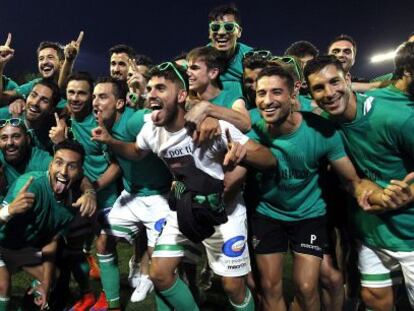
[
  {"x": 80, "y": 269},
  {"x": 246, "y": 305},
  {"x": 4, "y": 302},
  {"x": 110, "y": 278},
  {"x": 179, "y": 297},
  {"x": 161, "y": 303}
]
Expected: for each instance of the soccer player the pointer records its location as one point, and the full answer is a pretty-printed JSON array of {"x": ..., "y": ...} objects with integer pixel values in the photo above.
[
  {"x": 199, "y": 174},
  {"x": 205, "y": 64},
  {"x": 401, "y": 91},
  {"x": 36, "y": 211},
  {"x": 120, "y": 55},
  {"x": 224, "y": 31},
  {"x": 303, "y": 50},
  {"x": 146, "y": 182},
  {"x": 18, "y": 156},
  {"x": 100, "y": 169},
  {"x": 378, "y": 136},
  {"x": 290, "y": 207}
]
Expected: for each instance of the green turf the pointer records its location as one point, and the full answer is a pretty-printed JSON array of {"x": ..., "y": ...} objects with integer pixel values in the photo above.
[{"x": 213, "y": 299}]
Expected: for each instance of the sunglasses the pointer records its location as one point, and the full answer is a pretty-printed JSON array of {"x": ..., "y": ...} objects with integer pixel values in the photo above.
[
  {"x": 259, "y": 53},
  {"x": 290, "y": 60},
  {"x": 228, "y": 27},
  {"x": 166, "y": 65},
  {"x": 13, "y": 122}
]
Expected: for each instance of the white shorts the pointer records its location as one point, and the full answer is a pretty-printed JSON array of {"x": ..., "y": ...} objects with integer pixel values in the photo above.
[
  {"x": 382, "y": 268},
  {"x": 130, "y": 209},
  {"x": 227, "y": 250}
]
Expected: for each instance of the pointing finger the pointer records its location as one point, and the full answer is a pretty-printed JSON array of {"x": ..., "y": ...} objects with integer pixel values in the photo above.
[
  {"x": 57, "y": 119},
  {"x": 26, "y": 185},
  {"x": 8, "y": 40},
  {"x": 80, "y": 38}
]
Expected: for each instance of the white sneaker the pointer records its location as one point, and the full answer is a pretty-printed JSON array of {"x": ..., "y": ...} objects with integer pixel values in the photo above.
[
  {"x": 144, "y": 287},
  {"x": 134, "y": 274}
]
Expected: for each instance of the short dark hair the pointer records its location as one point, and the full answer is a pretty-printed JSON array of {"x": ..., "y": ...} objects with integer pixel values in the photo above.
[
  {"x": 254, "y": 62},
  {"x": 226, "y": 9},
  {"x": 404, "y": 59},
  {"x": 70, "y": 144},
  {"x": 53, "y": 86},
  {"x": 53, "y": 45},
  {"x": 122, "y": 48},
  {"x": 280, "y": 72},
  {"x": 81, "y": 76},
  {"x": 182, "y": 55},
  {"x": 344, "y": 37},
  {"x": 170, "y": 74},
  {"x": 320, "y": 62},
  {"x": 120, "y": 88},
  {"x": 301, "y": 49},
  {"x": 212, "y": 57},
  {"x": 144, "y": 60}
]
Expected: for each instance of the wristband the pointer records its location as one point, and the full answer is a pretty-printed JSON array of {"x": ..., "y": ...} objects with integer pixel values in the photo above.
[{"x": 4, "y": 213}]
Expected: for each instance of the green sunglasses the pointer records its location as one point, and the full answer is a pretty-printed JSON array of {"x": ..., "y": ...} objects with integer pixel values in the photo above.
[
  {"x": 290, "y": 60},
  {"x": 15, "y": 122},
  {"x": 166, "y": 65},
  {"x": 229, "y": 27},
  {"x": 258, "y": 53}
]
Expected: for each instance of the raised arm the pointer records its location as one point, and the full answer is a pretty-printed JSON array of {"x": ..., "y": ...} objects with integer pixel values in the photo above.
[{"x": 71, "y": 51}]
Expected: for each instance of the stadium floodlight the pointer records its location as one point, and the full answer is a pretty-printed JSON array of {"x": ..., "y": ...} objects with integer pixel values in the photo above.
[{"x": 382, "y": 57}]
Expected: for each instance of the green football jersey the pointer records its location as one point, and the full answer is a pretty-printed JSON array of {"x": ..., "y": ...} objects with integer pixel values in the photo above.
[
  {"x": 38, "y": 225},
  {"x": 37, "y": 160},
  {"x": 226, "y": 99},
  {"x": 25, "y": 88},
  {"x": 392, "y": 95},
  {"x": 9, "y": 84},
  {"x": 305, "y": 103},
  {"x": 148, "y": 176},
  {"x": 233, "y": 76},
  {"x": 381, "y": 144},
  {"x": 97, "y": 158},
  {"x": 291, "y": 192}
]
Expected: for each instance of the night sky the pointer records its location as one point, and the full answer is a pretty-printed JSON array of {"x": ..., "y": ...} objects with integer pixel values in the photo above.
[{"x": 163, "y": 29}]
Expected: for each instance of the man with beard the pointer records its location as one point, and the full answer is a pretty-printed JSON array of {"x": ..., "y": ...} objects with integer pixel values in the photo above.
[
  {"x": 36, "y": 211},
  {"x": 146, "y": 182},
  {"x": 205, "y": 65},
  {"x": 18, "y": 156},
  {"x": 378, "y": 135},
  {"x": 224, "y": 31},
  {"x": 401, "y": 91},
  {"x": 54, "y": 63},
  {"x": 218, "y": 223},
  {"x": 120, "y": 56},
  {"x": 37, "y": 116},
  {"x": 98, "y": 168}
]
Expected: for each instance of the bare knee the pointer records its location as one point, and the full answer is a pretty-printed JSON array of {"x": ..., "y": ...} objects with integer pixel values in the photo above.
[
  {"x": 235, "y": 288},
  {"x": 378, "y": 299},
  {"x": 101, "y": 244},
  {"x": 333, "y": 280},
  {"x": 307, "y": 290},
  {"x": 162, "y": 278},
  {"x": 271, "y": 287}
]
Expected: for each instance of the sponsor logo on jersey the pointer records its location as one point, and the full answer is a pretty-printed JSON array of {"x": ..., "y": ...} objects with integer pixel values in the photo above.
[
  {"x": 159, "y": 224},
  {"x": 234, "y": 247}
]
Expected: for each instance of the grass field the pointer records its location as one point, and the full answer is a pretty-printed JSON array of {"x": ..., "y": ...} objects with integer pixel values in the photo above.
[{"x": 215, "y": 299}]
